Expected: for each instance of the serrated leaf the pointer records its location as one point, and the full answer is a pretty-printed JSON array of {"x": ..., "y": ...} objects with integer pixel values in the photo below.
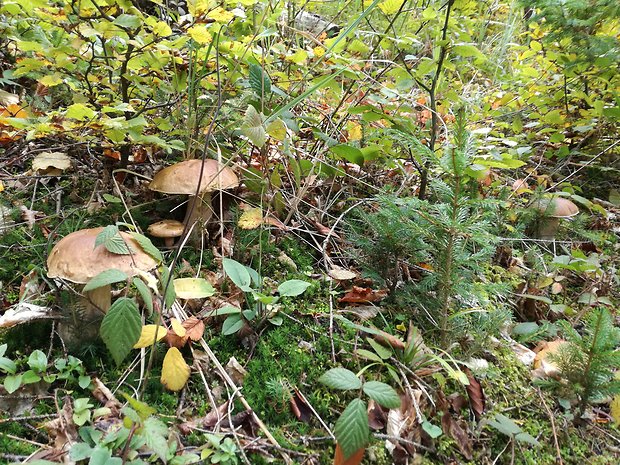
[
  {"x": 147, "y": 246},
  {"x": 193, "y": 288},
  {"x": 251, "y": 218},
  {"x": 253, "y": 127},
  {"x": 293, "y": 287},
  {"x": 121, "y": 328},
  {"x": 111, "y": 239},
  {"x": 259, "y": 81},
  {"x": 237, "y": 273},
  {"x": 145, "y": 293},
  {"x": 105, "y": 278},
  {"x": 155, "y": 433},
  {"x": 147, "y": 335},
  {"x": 351, "y": 429},
  {"x": 340, "y": 378},
  {"x": 175, "y": 372},
  {"x": 382, "y": 393}
]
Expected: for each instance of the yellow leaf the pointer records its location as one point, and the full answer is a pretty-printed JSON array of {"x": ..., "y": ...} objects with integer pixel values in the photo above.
[
  {"x": 615, "y": 409},
  {"x": 389, "y": 7},
  {"x": 1, "y": 186},
  {"x": 51, "y": 80},
  {"x": 177, "y": 327},
  {"x": 174, "y": 372},
  {"x": 148, "y": 335},
  {"x": 298, "y": 57},
  {"x": 220, "y": 15},
  {"x": 251, "y": 218},
  {"x": 318, "y": 51},
  {"x": 355, "y": 131},
  {"x": 200, "y": 34}
]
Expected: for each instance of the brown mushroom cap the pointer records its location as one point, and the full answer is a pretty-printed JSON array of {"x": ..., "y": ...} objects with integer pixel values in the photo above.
[
  {"x": 183, "y": 178},
  {"x": 166, "y": 228},
  {"x": 557, "y": 207},
  {"x": 76, "y": 259}
]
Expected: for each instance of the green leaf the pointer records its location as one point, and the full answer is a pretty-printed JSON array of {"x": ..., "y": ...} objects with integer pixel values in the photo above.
[
  {"x": 232, "y": 324},
  {"x": 155, "y": 433},
  {"x": 348, "y": 152},
  {"x": 253, "y": 127},
  {"x": 30, "y": 377},
  {"x": 238, "y": 274},
  {"x": 128, "y": 21},
  {"x": 351, "y": 429},
  {"x": 433, "y": 431},
  {"x": 277, "y": 129},
  {"x": 341, "y": 378},
  {"x": 84, "y": 381},
  {"x": 12, "y": 383},
  {"x": 147, "y": 246},
  {"x": 367, "y": 354},
  {"x": 293, "y": 287},
  {"x": 111, "y": 239},
  {"x": 7, "y": 365},
  {"x": 382, "y": 393},
  {"x": 105, "y": 278},
  {"x": 167, "y": 287},
  {"x": 554, "y": 117},
  {"x": 121, "y": 328},
  {"x": 466, "y": 50},
  {"x": 80, "y": 112},
  {"x": 259, "y": 81},
  {"x": 80, "y": 451},
  {"x": 37, "y": 361},
  {"x": 102, "y": 456},
  {"x": 145, "y": 293}
]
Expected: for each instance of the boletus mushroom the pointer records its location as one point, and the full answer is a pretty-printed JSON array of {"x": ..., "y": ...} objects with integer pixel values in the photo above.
[
  {"x": 167, "y": 230},
  {"x": 76, "y": 259},
  {"x": 552, "y": 210},
  {"x": 184, "y": 178}
]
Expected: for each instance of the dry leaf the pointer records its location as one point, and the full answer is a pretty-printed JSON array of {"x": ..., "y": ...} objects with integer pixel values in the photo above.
[
  {"x": 175, "y": 372},
  {"x": 355, "y": 459},
  {"x": 300, "y": 406},
  {"x": 29, "y": 216},
  {"x": 363, "y": 312},
  {"x": 53, "y": 163},
  {"x": 236, "y": 371},
  {"x": 340, "y": 274},
  {"x": 476, "y": 395},
  {"x": 363, "y": 295},
  {"x": 195, "y": 328},
  {"x": 23, "y": 312},
  {"x": 543, "y": 367},
  {"x": 147, "y": 337},
  {"x": 377, "y": 416}
]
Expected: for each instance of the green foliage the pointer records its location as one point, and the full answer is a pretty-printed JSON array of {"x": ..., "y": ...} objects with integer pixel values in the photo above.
[
  {"x": 121, "y": 327},
  {"x": 262, "y": 307},
  {"x": 589, "y": 360},
  {"x": 448, "y": 240},
  {"x": 352, "y": 428}
]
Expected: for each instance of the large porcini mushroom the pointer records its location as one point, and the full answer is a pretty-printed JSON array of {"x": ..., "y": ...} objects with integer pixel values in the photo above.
[
  {"x": 167, "y": 230},
  {"x": 184, "y": 178},
  {"x": 552, "y": 210},
  {"x": 75, "y": 258}
]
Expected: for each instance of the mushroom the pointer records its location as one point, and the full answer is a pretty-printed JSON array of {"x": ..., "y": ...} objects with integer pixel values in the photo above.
[
  {"x": 553, "y": 210},
  {"x": 168, "y": 230},
  {"x": 76, "y": 259},
  {"x": 184, "y": 178}
]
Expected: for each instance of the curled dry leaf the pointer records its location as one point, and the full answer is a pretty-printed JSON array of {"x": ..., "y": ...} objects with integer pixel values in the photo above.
[
  {"x": 52, "y": 163},
  {"x": 377, "y": 416},
  {"x": 300, "y": 407},
  {"x": 452, "y": 427},
  {"x": 340, "y": 274},
  {"x": 236, "y": 372},
  {"x": 29, "y": 216},
  {"x": 477, "y": 399},
  {"x": 23, "y": 312},
  {"x": 209, "y": 421},
  {"x": 543, "y": 366},
  {"x": 363, "y": 312}
]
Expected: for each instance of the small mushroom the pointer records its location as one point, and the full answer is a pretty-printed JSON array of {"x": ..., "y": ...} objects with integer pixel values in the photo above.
[
  {"x": 75, "y": 258},
  {"x": 168, "y": 230},
  {"x": 553, "y": 209},
  {"x": 184, "y": 178}
]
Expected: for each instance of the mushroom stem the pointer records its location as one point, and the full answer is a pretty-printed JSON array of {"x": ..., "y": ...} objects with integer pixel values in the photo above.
[
  {"x": 99, "y": 300},
  {"x": 199, "y": 212},
  {"x": 548, "y": 228}
]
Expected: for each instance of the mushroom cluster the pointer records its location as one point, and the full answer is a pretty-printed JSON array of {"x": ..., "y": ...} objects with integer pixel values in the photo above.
[{"x": 193, "y": 177}]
